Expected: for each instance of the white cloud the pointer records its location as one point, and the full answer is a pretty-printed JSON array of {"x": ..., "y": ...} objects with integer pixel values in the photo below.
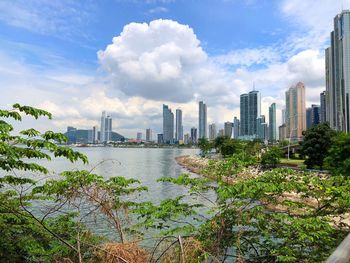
[{"x": 160, "y": 60}]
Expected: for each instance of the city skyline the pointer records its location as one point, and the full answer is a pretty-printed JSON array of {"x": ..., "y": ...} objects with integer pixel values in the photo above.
[{"x": 72, "y": 74}]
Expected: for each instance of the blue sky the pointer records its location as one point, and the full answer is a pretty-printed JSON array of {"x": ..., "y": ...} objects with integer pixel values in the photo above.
[{"x": 58, "y": 54}]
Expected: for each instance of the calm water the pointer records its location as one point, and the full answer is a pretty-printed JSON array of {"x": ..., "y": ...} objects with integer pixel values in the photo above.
[{"x": 145, "y": 164}]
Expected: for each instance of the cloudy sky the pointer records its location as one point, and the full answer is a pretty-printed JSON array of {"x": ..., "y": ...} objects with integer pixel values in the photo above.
[{"x": 128, "y": 57}]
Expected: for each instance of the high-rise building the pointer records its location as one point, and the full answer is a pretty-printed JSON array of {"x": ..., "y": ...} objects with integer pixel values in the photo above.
[
  {"x": 212, "y": 131},
  {"x": 272, "y": 123},
  {"x": 312, "y": 116},
  {"x": 244, "y": 108},
  {"x": 71, "y": 134},
  {"x": 228, "y": 129},
  {"x": 323, "y": 110},
  {"x": 160, "y": 139},
  {"x": 221, "y": 133},
  {"x": 202, "y": 125},
  {"x": 168, "y": 125},
  {"x": 186, "y": 138},
  {"x": 308, "y": 118},
  {"x": 236, "y": 127},
  {"x": 103, "y": 127},
  {"x": 282, "y": 130},
  {"x": 254, "y": 111},
  {"x": 250, "y": 105},
  {"x": 139, "y": 136},
  {"x": 178, "y": 126},
  {"x": 94, "y": 134},
  {"x": 260, "y": 127},
  {"x": 338, "y": 74},
  {"x": 106, "y": 128},
  {"x": 283, "y": 116},
  {"x": 194, "y": 135},
  {"x": 295, "y": 112},
  {"x": 148, "y": 135}
]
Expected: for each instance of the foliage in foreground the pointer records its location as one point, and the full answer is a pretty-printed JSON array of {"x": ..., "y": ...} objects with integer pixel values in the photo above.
[{"x": 280, "y": 216}]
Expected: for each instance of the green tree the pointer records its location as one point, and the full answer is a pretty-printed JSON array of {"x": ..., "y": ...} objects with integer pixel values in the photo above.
[
  {"x": 52, "y": 233},
  {"x": 316, "y": 143},
  {"x": 338, "y": 159},
  {"x": 25, "y": 236},
  {"x": 271, "y": 157},
  {"x": 219, "y": 141},
  {"x": 204, "y": 145},
  {"x": 230, "y": 146}
]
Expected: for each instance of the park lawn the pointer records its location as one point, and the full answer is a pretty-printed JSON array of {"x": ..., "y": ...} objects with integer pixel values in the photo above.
[{"x": 297, "y": 162}]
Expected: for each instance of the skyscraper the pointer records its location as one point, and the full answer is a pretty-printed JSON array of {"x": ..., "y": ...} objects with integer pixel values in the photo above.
[
  {"x": 139, "y": 136},
  {"x": 212, "y": 131},
  {"x": 178, "y": 126},
  {"x": 106, "y": 128},
  {"x": 148, "y": 135},
  {"x": 254, "y": 111},
  {"x": 160, "y": 139},
  {"x": 168, "y": 125},
  {"x": 312, "y": 116},
  {"x": 244, "y": 108},
  {"x": 202, "y": 127},
  {"x": 272, "y": 123},
  {"x": 236, "y": 127},
  {"x": 186, "y": 138},
  {"x": 250, "y": 105},
  {"x": 338, "y": 74},
  {"x": 94, "y": 134},
  {"x": 194, "y": 135},
  {"x": 228, "y": 129},
  {"x": 283, "y": 116},
  {"x": 316, "y": 110},
  {"x": 260, "y": 127},
  {"x": 308, "y": 118},
  {"x": 323, "y": 110},
  {"x": 295, "y": 112},
  {"x": 103, "y": 127}
]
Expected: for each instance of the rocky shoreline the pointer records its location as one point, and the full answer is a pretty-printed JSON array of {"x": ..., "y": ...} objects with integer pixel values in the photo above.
[{"x": 197, "y": 165}]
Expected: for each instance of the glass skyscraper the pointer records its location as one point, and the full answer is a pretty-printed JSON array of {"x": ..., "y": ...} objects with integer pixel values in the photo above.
[
  {"x": 202, "y": 125},
  {"x": 106, "y": 128},
  {"x": 295, "y": 112},
  {"x": 236, "y": 127},
  {"x": 194, "y": 135},
  {"x": 212, "y": 131},
  {"x": 244, "y": 108},
  {"x": 272, "y": 123},
  {"x": 338, "y": 74},
  {"x": 178, "y": 127},
  {"x": 323, "y": 108},
  {"x": 168, "y": 125},
  {"x": 250, "y": 105}
]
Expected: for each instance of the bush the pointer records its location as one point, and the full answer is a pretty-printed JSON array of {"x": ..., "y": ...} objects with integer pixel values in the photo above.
[
  {"x": 271, "y": 157},
  {"x": 338, "y": 159}
]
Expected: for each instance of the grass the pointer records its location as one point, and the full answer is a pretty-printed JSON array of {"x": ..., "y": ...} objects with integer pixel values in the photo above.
[{"x": 294, "y": 162}]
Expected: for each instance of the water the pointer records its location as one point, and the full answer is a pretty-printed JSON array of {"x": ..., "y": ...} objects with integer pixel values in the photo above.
[{"x": 144, "y": 164}]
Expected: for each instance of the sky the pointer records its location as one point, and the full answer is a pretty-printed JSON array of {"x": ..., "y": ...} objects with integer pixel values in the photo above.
[{"x": 128, "y": 57}]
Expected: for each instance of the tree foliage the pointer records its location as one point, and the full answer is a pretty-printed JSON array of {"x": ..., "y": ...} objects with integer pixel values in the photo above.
[
  {"x": 276, "y": 215},
  {"x": 338, "y": 159},
  {"x": 271, "y": 157},
  {"x": 316, "y": 143},
  {"x": 204, "y": 145}
]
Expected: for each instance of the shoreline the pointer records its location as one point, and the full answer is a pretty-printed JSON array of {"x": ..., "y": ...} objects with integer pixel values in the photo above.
[{"x": 196, "y": 165}]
